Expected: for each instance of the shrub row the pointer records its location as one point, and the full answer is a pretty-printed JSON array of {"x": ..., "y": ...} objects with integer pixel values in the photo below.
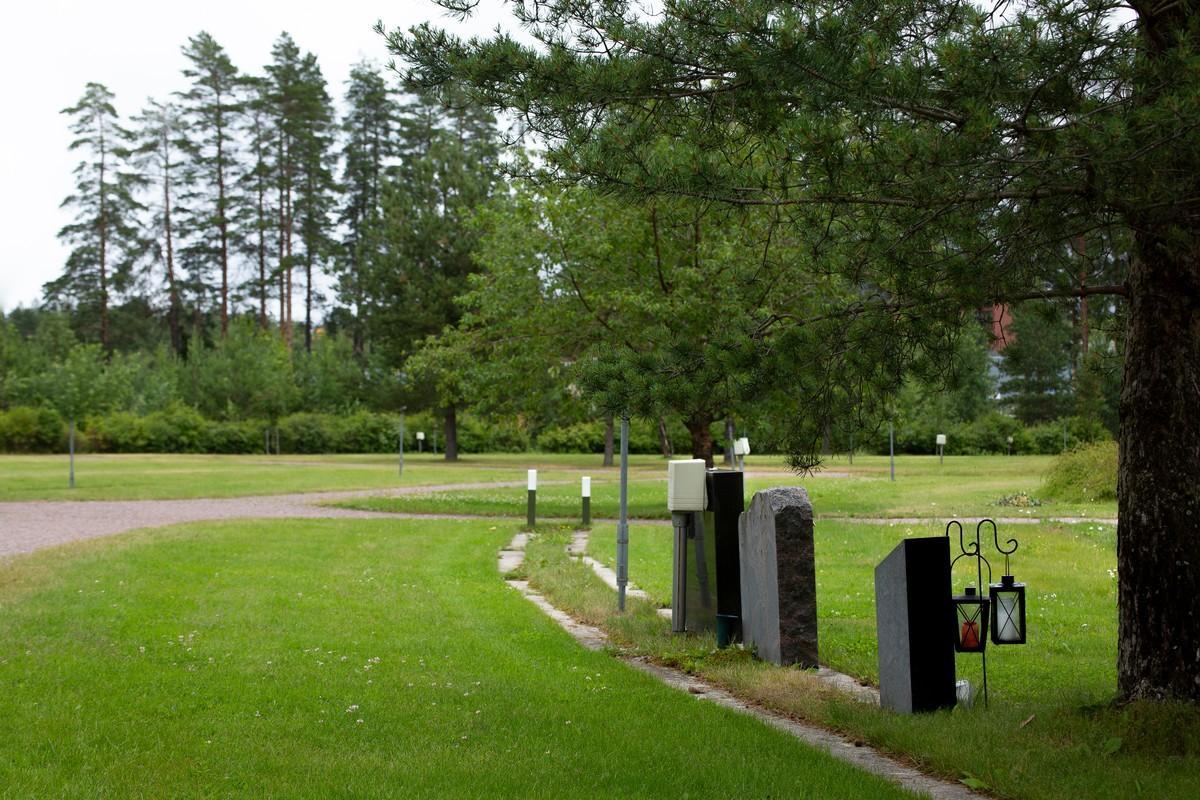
[
  {"x": 181, "y": 429},
  {"x": 988, "y": 434},
  {"x": 1085, "y": 474}
]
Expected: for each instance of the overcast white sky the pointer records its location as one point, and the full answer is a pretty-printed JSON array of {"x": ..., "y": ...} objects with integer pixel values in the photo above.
[{"x": 50, "y": 48}]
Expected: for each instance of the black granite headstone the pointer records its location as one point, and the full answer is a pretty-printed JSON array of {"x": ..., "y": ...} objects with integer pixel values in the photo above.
[
  {"x": 778, "y": 577},
  {"x": 914, "y": 621}
]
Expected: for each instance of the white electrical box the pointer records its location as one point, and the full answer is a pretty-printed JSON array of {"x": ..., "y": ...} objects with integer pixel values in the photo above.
[
  {"x": 941, "y": 438},
  {"x": 533, "y": 480},
  {"x": 685, "y": 485},
  {"x": 741, "y": 447}
]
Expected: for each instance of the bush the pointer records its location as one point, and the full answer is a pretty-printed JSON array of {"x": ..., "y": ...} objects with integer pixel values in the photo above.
[
  {"x": 367, "y": 432},
  {"x": 307, "y": 433},
  {"x": 176, "y": 429},
  {"x": 1084, "y": 475},
  {"x": 119, "y": 432},
  {"x": 235, "y": 437},
  {"x": 31, "y": 430}
]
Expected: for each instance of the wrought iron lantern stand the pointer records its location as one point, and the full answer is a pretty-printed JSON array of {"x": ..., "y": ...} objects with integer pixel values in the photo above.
[{"x": 972, "y": 611}]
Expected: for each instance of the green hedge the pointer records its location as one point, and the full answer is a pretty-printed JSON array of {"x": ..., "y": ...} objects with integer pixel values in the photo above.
[
  {"x": 1084, "y": 475},
  {"x": 988, "y": 434},
  {"x": 32, "y": 430}
]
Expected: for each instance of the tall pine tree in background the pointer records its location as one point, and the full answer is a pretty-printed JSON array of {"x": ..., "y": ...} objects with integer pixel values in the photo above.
[
  {"x": 449, "y": 151},
  {"x": 212, "y": 106},
  {"x": 104, "y": 235},
  {"x": 158, "y": 152},
  {"x": 369, "y": 129},
  {"x": 315, "y": 195},
  {"x": 256, "y": 220},
  {"x": 283, "y": 81}
]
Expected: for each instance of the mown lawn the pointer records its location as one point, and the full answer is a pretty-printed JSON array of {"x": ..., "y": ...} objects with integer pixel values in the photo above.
[
  {"x": 156, "y": 477},
  {"x": 963, "y": 486},
  {"x": 341, "y": 658},
  {"x": 1052, "y": 729}
]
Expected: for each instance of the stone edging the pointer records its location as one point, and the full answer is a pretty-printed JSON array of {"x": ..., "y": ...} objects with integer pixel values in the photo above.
[{"x": 837, "y": 746}]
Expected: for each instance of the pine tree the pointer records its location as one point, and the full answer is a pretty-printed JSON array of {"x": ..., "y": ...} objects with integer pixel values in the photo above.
[
  {"x": 449, "y": 152},
  {"x": 212, "y": 107},
  {"x": 158, "y": 152},
  {"x": 370, "y": 128},
  {"x": 315, "y": 198},
  {"x": 283, "y": 76},
  {"x": 256, "y": 214},
  {"x": 104, "y": 236}
]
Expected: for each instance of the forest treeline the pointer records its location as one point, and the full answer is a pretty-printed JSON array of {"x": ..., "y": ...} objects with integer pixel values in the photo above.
[{"x": 244, "y": 254}]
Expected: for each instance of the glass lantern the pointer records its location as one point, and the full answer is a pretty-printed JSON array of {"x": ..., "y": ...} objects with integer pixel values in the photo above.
[
  {"x": 971, "y": 622},
  {"x": 1008, "y": 611}
]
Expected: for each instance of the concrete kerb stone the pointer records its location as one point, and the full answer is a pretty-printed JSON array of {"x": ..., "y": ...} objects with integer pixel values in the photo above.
[{"x": 840, "y": 747}]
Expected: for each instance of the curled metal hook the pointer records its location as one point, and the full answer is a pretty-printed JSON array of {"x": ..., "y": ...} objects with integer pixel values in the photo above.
[{"x": 996, "y": 539}]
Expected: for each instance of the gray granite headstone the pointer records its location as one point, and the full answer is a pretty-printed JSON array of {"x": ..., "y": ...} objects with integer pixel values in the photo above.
[
  {"x": 779, "y": 578},
  {"x": 914, "y": 623}
]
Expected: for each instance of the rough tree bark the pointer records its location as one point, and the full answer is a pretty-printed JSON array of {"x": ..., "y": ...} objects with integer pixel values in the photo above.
[
  {"x": 700, "y": 428},
  {"x": 451, "y": 431},
  {"x": 1158, "y": 485},
  {"x": 664, "y": 439}
]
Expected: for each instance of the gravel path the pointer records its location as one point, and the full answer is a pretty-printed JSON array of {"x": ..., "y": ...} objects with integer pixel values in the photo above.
[{"x": 29, "y": 526}]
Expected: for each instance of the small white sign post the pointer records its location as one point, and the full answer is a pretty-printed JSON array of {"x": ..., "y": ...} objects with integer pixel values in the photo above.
[
  {"x": 941, "y": 445},
  {"x": 420, "y": 441},
  {"x": 531, "y": 508}
]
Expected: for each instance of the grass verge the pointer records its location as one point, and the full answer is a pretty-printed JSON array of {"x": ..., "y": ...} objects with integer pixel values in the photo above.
[
  {"x": 963, "y": 486},
  {"x": 336, "y": 658},
  {"x": 1052, "y": 729}
]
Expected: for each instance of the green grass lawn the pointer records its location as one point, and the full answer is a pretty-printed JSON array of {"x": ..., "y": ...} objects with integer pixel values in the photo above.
[
  {"x": 343, "y": 658},
  {"x": 1052, "y": 729},
  {"x": 153, "y": 477},
  {"x": 963, "y": 486}
]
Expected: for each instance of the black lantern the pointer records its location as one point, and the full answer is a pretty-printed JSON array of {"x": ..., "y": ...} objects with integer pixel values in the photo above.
[
  {"x": 970, "y": 622},
  {"x": 1008, "y": 611}
]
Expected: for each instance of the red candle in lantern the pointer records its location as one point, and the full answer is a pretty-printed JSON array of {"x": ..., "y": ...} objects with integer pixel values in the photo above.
[{"x": 970, "y": 633}]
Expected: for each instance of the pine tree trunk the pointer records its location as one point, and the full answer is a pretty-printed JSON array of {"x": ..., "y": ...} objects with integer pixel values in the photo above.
[
  {"x": 608, "y": 441},
  {"x": 451, "y": 431},
  {"x": 729, "y": 442},
  {"x": 1158, "y": 483},
  {"x": 222, "y": 225},
  {"x": 1158, "y": 488},
  {"x": 664, "y": 440},
  {"x": 262, "y": 257},
  {"x": 308, "y": 299},
  {"x": 174, "y": 310},
  {"x": 102, "y": 224},
  {"x": 700, "y": 427}
]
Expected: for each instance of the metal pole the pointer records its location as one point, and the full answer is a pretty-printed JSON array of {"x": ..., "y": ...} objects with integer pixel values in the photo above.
[
  {"x": 681, "y": 520},
  {"x": 401, "y": 445},
  {"x": 71, "y": 447},
  {"x": 892, "y": 449},
  {"x": 851, "y": 449},
  {"x": 531, "y": 507},
  {"x": 941, "y": 456},
  {"x": 623, "y": 519},
  {"x": 979, "y": 583}
]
